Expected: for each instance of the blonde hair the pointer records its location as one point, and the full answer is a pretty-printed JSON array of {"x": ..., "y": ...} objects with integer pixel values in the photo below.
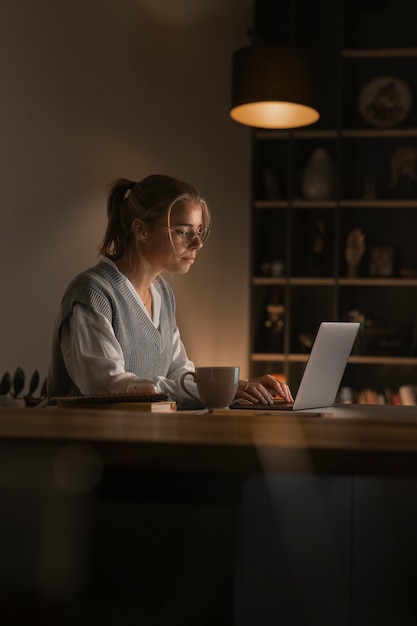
[{"x": 148, "y": 200}]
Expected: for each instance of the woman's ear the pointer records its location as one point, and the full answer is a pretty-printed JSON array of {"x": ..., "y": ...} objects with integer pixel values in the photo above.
[{"x": 139, "y": 230}]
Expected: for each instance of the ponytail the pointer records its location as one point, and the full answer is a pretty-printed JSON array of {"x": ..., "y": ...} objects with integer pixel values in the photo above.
[{"x": 118, "y": 236}]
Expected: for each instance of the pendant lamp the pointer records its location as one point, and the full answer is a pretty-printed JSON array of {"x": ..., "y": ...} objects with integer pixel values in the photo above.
[{"x": 271, "y": 87}]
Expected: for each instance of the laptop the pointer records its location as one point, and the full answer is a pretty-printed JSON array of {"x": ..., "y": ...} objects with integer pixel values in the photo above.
[{"x": 323, "y": 372}]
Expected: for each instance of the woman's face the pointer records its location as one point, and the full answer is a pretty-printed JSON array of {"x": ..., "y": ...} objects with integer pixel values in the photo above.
[{"x": 165, "y": 248}]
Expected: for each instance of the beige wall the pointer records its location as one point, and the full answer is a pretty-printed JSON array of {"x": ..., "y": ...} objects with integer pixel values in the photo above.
[{"x": 96, "y": 89}]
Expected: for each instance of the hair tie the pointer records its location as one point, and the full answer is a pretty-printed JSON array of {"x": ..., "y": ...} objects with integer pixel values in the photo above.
[{"x": 129, "y": 190}]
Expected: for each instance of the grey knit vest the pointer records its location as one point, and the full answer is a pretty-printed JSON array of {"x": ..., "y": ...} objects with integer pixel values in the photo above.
[{"x": 147, "y": 350}]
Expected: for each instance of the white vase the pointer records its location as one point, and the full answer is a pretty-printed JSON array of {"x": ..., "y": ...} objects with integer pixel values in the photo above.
[{"x": 318, "y": 177}]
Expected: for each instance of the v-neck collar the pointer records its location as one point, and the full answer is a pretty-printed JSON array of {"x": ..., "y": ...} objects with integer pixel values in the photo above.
[{"x": 119, "y": 280}]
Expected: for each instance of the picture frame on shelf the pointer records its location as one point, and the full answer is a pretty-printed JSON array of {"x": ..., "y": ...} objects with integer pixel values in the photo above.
[
  {"x": 381, "y": 261},
  {"x": 385, "y": 101}
]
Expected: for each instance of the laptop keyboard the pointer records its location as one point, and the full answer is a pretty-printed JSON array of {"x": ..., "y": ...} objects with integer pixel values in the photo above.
[{"x": 276, "y": 406}]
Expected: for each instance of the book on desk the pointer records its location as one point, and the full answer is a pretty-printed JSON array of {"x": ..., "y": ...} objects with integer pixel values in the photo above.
[{"x": 151, "y": 403}]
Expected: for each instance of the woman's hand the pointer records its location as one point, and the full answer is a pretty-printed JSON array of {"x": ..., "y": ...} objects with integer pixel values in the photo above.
[
  {"x": 263, "y": 389},
  {"x": 142, "y": 386}
]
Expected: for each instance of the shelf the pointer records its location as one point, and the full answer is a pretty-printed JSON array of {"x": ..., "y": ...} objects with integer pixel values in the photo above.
[
  {"x": 379, "y": 133},
  {"x": 360, "y": 43},
  {"x": 383, "y": 360},
  {"x": 379, "y": 53},
  {"x": 355, "y": 359},
  {"x": 294, "y": 280},
  {"x": 316, "y": 281},
  {"x": 311, "y": 133},
  {"x": 296, "y": 204},
  {"x": 268, "y": 357},
  {"x": 377, "y": 203},
  {"x": 378, "y": 282},
  {"x": 362, "y": 133},
  {"x": 313, "y": 204},
  {"x": 271, "y": 204},
  {"x": 334, "y": 281},
  {"x": 269, "y": 280}
]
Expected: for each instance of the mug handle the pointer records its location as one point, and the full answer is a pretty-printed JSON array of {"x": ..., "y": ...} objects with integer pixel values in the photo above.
[{"x": 182, "y": 383}]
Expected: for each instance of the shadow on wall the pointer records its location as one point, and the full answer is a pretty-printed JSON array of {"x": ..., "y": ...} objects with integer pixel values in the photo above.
[{"x": 160, "y": 34}]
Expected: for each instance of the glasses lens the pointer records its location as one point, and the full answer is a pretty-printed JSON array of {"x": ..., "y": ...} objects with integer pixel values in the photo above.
[
  {"x": 204, "y": 234},
  {"x": 192, "y": 234}
]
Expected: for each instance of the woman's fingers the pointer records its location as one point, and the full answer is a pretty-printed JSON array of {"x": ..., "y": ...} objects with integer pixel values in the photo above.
[{"x": 263, "y": 389}]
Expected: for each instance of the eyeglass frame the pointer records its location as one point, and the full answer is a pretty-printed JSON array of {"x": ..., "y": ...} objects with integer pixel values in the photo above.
[{"x": 203, "y": 234}]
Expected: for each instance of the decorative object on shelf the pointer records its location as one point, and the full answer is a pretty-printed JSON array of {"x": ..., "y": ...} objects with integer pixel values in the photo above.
[
  {"x": 345, "y": 395},
  {"x": 305, "y": 341},
  {"x": 265, "y": 268},
  {"x": 369, "y": 187},
  {"x": 407, "y": 272},
  {"x": 413, "y": 342},
  {"x": 381, "y": 261},
  {"x": 318, "y": 248},
  {"x": 354, "y": 251},
  {"x": 271, "y": 186},
  {"x": 404, "y": 171},
  {"x": 318, "y": 178},
  {"x": 274, "y": 268},
  {"x": 277, "y": 268},
  {"x": 275, "y": 326},
  {"x": 383, "y": 339},
  {"x": 385, "y": 101}
]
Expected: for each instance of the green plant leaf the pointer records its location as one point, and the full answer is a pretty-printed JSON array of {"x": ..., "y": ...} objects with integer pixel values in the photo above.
[
  {"x": 44, "y": 389},
  {"x": 34, "y": 382},
  {"x": 18, "y": 381},
  {"x": 5, "y": 384}
]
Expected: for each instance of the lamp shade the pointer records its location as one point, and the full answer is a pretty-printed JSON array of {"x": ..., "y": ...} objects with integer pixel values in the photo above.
[{"x": 271, "y": 87}]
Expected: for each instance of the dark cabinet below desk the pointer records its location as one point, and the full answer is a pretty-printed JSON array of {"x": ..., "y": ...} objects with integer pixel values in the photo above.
[{"x": 328, "y": 550}]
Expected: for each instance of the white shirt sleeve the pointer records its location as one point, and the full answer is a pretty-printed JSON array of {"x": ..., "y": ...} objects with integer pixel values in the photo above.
[{"x": 94, "y": 358}]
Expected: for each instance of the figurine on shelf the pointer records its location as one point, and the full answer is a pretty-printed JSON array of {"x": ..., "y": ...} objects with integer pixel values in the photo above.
[
  {"x": 318, "y": 248},
  {"x": 305, "y": 341},
  {"x": 275, "y": 325},
  {"x": 369, "y": 187},
  {"x": 318, "y": 177},
  {"x": 404, "y": 171},
  {"x": 355, "y": 248}
]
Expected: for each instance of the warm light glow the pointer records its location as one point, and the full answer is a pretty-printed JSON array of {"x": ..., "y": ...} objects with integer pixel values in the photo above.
[
  {"x": 274, "y": 114},
  {"x": 272, "y": 87}
]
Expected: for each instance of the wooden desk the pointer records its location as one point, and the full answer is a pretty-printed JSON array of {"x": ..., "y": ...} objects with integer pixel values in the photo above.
[
  {"x": 234, "y": 519},
  {"x": 359, "y": 439}
]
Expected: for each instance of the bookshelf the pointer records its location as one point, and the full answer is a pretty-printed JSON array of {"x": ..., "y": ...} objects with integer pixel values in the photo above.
[{"x": 296, "y": 283}]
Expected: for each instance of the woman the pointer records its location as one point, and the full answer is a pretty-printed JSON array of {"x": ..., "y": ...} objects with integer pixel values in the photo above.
[{"x": 116, "y": 330}]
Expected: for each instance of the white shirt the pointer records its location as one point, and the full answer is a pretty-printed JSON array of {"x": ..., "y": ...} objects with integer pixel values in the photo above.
[{"x": 94, "y": 358}]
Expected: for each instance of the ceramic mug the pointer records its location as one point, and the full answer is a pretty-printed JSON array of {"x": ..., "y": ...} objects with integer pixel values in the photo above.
[{"x": 216, "y": 386}]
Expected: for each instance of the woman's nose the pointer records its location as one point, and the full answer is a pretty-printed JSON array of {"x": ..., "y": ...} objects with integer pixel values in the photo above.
[{"x": 195, "y": 243}]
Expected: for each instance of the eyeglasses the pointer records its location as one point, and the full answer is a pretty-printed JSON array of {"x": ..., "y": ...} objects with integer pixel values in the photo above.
[{"x": 188, "y": 235}]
